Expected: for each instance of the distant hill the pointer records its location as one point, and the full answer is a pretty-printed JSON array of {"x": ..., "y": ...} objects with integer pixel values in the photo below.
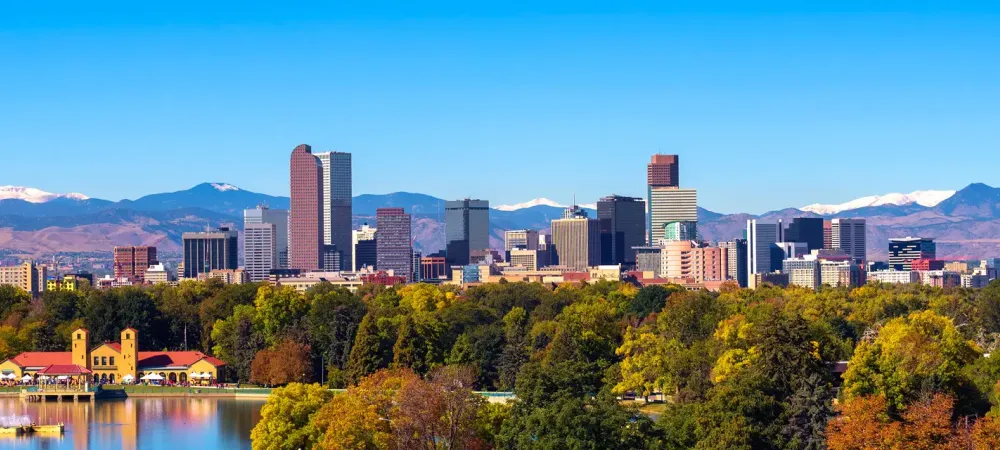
[{"x": 966, "y": 224}]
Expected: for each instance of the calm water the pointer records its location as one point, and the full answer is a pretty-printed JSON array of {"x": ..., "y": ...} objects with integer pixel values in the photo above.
[{"x": 139, "y": 423}]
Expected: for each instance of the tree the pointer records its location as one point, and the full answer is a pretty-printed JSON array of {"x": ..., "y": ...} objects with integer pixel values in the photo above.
[
  {"x": 288, "y": 361},
  {"x": 369, "y": 353},
  {"x": 218, "y": 305},
  {"x": 515, "y": 348},
  {"x": 865, "y": 423},
  {"x": 333, "y": 321},
  {"x": 10, "y": 296},
  {"x": 286, "y": 418},
  {"x": 807, "y": 414},
  {"x": 278, "y": 310},
  {"x": 237, "y": 340},
  {"x": 644, "y": 366},
  {"x": 651, "y": 299}
]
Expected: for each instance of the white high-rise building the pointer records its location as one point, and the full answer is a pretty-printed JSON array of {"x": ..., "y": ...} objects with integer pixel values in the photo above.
[
  {"x": 761, "y": 240},
  {"x": 363, "y": 245},
  {"x": 278, "y": 218},
  {"x": 337, "y": 205},
  {"x": 670, "y": 204},
  {"x": 849, "y": 235},
  {"x": 259, "y": 250}
]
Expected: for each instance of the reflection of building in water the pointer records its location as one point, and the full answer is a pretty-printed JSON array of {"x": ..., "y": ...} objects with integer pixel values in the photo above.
[
  {"x": 112, "y": 361},
  {"x": 123, "y": 415}
]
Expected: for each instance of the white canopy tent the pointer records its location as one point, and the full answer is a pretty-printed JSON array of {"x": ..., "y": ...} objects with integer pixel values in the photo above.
[
  {"x": 152, "y": 377},
  {"x": 206, "y": 375},
  {"x": 26, "y": 378},
  {"x": 128, "y": 378},
  {"x": 194, "y": 375}
]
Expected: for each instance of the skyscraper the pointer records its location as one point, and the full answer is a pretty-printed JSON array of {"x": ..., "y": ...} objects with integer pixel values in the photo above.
[
  {"x": 132, "y": 261},
  {"x": 210, "y": 250},
  {"x": 737, "y": 254},
  {"x": 761, "y": 240},
  {"x": 666, "y": 201},
  {"x": 623, "y": 226},
  {"x": 576, "y": 240},
  {"x": 365, "y": 248},
  {"x": 663, "y": 171},
  {"x": 392, "y": 241},
  {"x": 260, "y": 252},
  {"x": 849, "y": 235},
  {"x": 902, "y": 251},
  {"x": 305, "y": 237},
  {"x": 467, "y": 228},
  {"x": 277, "y": 217},
  {"x": 337, "y": 206},
  {"x": 808, "y": 230},
  {"x": 680, "y": 231},
  {"x": 523, "y": 239}
]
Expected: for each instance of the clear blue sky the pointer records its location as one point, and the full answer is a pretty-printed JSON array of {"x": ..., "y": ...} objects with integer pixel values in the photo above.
[{"x": 770, "y": 105}]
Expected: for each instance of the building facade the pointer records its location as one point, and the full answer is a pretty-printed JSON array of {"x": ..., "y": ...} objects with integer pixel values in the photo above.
[
  {"x": 393, "y": 242},
  {"x": 761, "y": 240},
  {"x": 337, "y": 211},
  {"x": 894, "y": 276},
  {"x": 808, "y": 230},
  {"x": 622, "y": 222},
  {"x": 902, "y": 251},
  {"x": 132, "y": 261},
  {"x": 528, "y": 259},
  {"x": 210, "y": 250},
  {"x": 260, "y": 253},
  {"x": 849, "y": 235},
  {"x": 277, "y": 217},
  {"x": 737, "y": 254},
  {"x": 433, "y": 267},
  {"x": 305, "y": 214},
  {"x": 680, "y": 231},
  {"x": 27, "y": 276},
  {"x": 690, "y": 260},
  {"x": 365, "y": 248},
  {"x": 802, "y": 272},
  {"x": 669, "y": 204},
  {"x": 523, "y": 239},
  {"x": 467, "y": 228},
  {"x": 576, "y": 240}
]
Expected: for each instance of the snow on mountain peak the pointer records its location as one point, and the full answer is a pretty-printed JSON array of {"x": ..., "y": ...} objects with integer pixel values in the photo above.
[
  {"x": 33, "y": 195},
  {"x": 529, "y": 204},
  {"x": 223, "y": 187},
  {"x": 922, "y": 198}
]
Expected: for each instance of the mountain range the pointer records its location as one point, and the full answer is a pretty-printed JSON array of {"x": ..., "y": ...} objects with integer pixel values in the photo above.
[{"x": 966, "y": 223}]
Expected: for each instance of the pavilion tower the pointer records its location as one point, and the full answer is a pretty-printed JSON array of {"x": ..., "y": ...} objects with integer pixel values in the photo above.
[
  {"x": 130, "y": 353},
  {"x": 80, "y": 352}
]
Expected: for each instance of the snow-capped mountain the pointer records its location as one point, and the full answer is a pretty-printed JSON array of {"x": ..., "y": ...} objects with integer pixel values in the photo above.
[
  {"x": 528, "y": 204},
  {"x": 922, "y": 198},
  {"x": 33, "y": 195},
  {"x": 223, "y": 187}
]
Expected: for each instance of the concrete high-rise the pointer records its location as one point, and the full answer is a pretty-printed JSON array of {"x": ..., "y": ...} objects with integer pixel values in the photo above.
[
  {"x": 337, "y": 205},
  {"x": 132, "y": 261},
  {"x": 576, "y": 240},
  {"x": 260, "y": 250},
  {"x": 849, "y": 236},
  {"x": 762, "y": 252},
  {"x": 522, "y": 239},
  {"x": 277, "y": 217},
  {"x": 622, "y": 223},
  {"x": 808, "y": 230},
  {"x": 392, "y": 240},
  {"x": 305, "y": 235},
  {"x": 736, "y": 251},
  {"x": 210, "y": 250},
  {"x": 365, "y": 248},
  {"x": 903, "y": 251},
  {"x": 669, "y": 204},
  {"x": 663, "y": 171},
  {"x": 466, "y": 228},
  {"x": 680, "y": 231}
]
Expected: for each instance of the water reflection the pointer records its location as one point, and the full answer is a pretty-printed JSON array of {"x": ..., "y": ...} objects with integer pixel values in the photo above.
[{"x": 138, "y": 423}]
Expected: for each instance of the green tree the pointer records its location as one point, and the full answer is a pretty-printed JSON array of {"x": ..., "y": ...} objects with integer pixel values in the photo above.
[
  {"x": 237, "y": 340},
  {"x": 370, "y": 351},
  {"x": 285, "y": 420},
  {"x": 10, "y": 296},
  {"x": 333, "y": 321},
  {"x": 278, "y": 310}
]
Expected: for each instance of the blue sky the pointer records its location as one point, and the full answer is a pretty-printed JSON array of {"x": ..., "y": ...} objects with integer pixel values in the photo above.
[{"x": 770, "y": 105}]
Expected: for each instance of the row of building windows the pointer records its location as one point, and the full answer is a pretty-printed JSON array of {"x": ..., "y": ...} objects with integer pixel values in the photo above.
[{"x": 103, "y": 361}]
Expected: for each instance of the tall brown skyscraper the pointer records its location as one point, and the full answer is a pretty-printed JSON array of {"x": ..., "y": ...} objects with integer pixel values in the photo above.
[
  {"x": 663, "y": 171},
  {"x": 132, "y": 262},
  {"x": 393, "y": 246},
  {"x": 305, "y": 237}
]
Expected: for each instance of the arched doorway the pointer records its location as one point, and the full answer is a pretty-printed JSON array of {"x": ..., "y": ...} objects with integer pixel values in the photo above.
[
  {"x": 184, "y": 377},
  {"x": 97, "y": 378},
  {"x": 111, "y": 378},
  {"x": 172, "y": 377},
  {"x": 104, "y": 378}
]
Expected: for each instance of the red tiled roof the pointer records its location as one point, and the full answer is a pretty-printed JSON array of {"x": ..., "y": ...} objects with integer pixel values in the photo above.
[
  {"x": 215, "y": 361},
  {"x": 115, "y": 345},
  {"x": 64, "y": 369},
  {"x": 41, "y": 359},
  {"x": 163, "y": 359}
]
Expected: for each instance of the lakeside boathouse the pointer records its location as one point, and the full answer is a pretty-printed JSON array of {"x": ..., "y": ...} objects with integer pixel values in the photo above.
[{"x": 110, "y": 362}]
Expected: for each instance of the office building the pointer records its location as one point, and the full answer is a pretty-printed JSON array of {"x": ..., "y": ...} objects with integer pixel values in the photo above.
[
  {"x": 669, "y": 204},
  {"x": 940, "y": 278},
  {"x": 576, "y": 240},
  {"x": 433, "y": 267},
  {"x": 332, "y": 255},
  {"x": 902, "y": 251},
  {"x": 523, "y": 239},
  {"x": 802, "y": 272},
  {"x": 528, "y": 259},
  {"x": 663, "y": 171},
  {"x": 132, "y": 261},
  {"x": 974, "y": 281},
  {"x": 808, "y": 230},
  {"x": 365, "y": 248},
  {"x": 849, "y": 235},
  {"x": 418, "y": 267},
  {"x": 466, "y": 228},
  {"x": 210, "y": 250},
  {"x": 894, "y": 276},
  {"x": 828, "y": 234},
  {"x": 845, "y": 273},
  {"x": 689, "y": 260},
  {"x": 680, "y": 231},
  {"x": 393, "y": 245},
  {"x": 928, "y": 264},
  {"x": 158, "y": 274},
  {"x": 277, "y": 217},
  {"x": 305, "y": 214},
  {"x": 27, "y": 276},
  {"x": 789, "y": 250},
  {"x": 337, "y": 205},
  {"x": 648, "y": 258},
  {"x": 761, "y": 239},
  {"x": 260, "y": 251},
  {"x": 736, "y": 251},
  {"x": 622, "y": 221}
]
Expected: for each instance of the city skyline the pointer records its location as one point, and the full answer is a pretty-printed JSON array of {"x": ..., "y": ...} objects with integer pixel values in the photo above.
[{"x": 508, "y": 86}]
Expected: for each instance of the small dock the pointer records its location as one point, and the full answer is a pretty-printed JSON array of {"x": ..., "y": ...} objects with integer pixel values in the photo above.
[{"x": 56, "y": 395}]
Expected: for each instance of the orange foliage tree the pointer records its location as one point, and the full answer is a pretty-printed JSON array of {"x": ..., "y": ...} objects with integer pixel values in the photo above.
[{"x": 284, "y": 363}]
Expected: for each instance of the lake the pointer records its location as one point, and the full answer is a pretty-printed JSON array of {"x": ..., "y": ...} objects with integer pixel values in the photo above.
[{"x": 138, "y": 423}]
